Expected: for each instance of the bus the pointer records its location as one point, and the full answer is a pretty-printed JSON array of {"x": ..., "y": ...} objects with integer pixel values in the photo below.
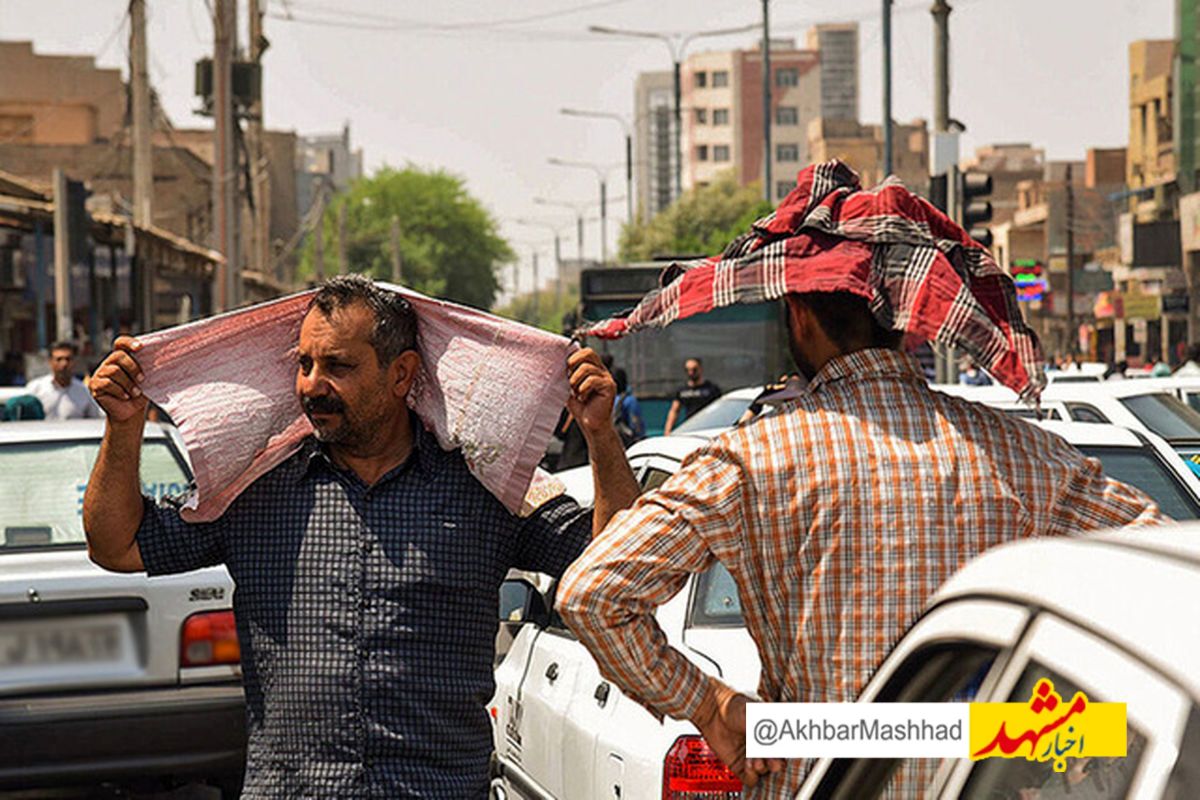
[{"x": 739, "y": 345}]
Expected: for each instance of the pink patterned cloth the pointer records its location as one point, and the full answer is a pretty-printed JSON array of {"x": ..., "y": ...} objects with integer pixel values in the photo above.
[{"x": 490, "y": 387}]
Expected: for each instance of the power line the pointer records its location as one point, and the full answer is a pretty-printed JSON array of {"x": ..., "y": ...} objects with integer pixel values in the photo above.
[{"x": 454, "y": 26}]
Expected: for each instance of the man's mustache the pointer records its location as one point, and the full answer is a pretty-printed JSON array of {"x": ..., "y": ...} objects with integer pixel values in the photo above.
[{"x": 325, "y": 404}]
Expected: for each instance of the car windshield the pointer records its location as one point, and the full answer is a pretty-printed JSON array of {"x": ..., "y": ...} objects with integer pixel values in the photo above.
[
  {"x": 1142, "y": 468},
  {"x": 1165, "y": 415},
  {"x": 41, "y": 494},
  {"x": 720, "y": 413}
]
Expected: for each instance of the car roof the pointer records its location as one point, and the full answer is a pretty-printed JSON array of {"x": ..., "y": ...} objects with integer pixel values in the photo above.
[
  {"x": 1114, "y": 389},
  {"x": 676, "y": 446},
  {"x": 1091, "y": 434},
  {"x": 1156, "y": 572},
  {"x": 45, "y": 430},
  {"x": 745, "y": 393}
]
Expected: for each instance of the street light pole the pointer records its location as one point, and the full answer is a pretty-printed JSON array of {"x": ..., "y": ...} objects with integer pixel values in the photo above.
[
  {"x": 601, "y": 175},
  {"x": 625, "y": 126},
  {"x": 766, "y": 99},
  {"x": 677, "y": 45}
]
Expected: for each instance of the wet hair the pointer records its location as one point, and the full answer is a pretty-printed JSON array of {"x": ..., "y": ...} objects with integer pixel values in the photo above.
[
  {"x": 848, "y": 321},
  {"x": 395, "y": 329},
  {"x": 65, "y": 344}
]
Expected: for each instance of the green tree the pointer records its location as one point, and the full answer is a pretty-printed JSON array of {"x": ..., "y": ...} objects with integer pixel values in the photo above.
[
  {"x": 449, "y": 243},
  {"x": 701, "y": 222}
]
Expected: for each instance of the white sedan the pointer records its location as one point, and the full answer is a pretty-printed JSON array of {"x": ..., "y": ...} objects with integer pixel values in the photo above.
[
  {"x": 562, "y": 731},
  {"x": 106, "y": 677}
]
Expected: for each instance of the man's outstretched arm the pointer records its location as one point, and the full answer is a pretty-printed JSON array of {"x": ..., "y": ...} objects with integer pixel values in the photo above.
[
  {"x": 112, "y": 504},
  {"x": 608, "y": 597}
]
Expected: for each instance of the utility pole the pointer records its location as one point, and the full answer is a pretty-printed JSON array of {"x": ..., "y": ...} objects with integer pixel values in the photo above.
[
  {"x": 678, "y": 127},
  {"x": 63, "y": 328},
  {"x": 343, "y": 259},
  {"x": 139, "y": 84},
  {"x": 225, "y": 175},
  {"x": 260, "y": 237},
  {"x": 537, "y": 294},
  {"x": 319, "y": 236},
  {"x": 1072, "y": 334},
  {"x": 941, "y": 65},
  {"x": 603, "y": 221},
  {"x": 887, "y": 88},
  {"x": 397, "y": 263},
  {"x": 766, "y": 98},
  {"x": 558, "y": 285}
]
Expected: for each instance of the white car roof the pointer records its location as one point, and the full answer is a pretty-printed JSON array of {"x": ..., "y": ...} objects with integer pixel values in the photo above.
[
  {"x": 1091, "y": 434},
  {"x": 1130, "y": 584},
  {"x": 1113, "y": 389},
  {"x": 62, "y": 429}
]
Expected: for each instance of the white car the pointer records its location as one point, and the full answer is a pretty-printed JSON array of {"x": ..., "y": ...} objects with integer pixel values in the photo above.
[
  {"x": 562, "y": 731},
  {"x": 106, "y": 677}
]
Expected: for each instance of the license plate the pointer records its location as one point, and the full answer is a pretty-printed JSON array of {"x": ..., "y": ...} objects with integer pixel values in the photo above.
[{"x": 43, "y": 643}]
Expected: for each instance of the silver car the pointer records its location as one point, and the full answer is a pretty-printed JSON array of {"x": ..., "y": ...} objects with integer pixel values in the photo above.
[{"x": 106, "y": 677}]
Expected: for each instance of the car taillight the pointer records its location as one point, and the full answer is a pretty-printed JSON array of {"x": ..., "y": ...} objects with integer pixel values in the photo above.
[
  {"x": 209, "y": 638},
  {"x": 691, "y": 771}
]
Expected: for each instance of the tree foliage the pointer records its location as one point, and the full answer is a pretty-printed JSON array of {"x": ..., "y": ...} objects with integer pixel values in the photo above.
[
  {"x": 702, "y": 222},
  {"x": 449, "y": 243}
]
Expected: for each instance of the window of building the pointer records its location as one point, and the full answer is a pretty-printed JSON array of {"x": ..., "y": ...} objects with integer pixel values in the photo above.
[
  {"x": 787, "y": 76},
  {"x": 720, "y": 78},
  {"x": 783, "y": 188},
  {"x": 701, "y": 80},
  {"x": 787, "y": 115},
  {"x": 787, "y": 152},
  {"x": 720, "y": 116},
  {"x": 701, "y": 116},
  {"x": 721, "y": 152},
  {"x": 702, "y": 152}
]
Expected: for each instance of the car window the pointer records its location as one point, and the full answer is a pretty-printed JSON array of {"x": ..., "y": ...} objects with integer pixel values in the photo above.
[
  {"x": 1165, "y": 415},
  {"x": 1019, "y": 779},
  {"x": 1184, "y": 782},
  {"x": 715, "y": 602},
  {"x": 41, "y": 492},
  {"x": 945, "y": 672},
  {"x": 1023, "y": 412},
  {"x": 720, "y": 413},
  {"x": 654, "y": 478},
  {"x": 1193, "y": 400},
  {"x": 1141, "y": 467},
  {"x": 1082, "y": 412}
]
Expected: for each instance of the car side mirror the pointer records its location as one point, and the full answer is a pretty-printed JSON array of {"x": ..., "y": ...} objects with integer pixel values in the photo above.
[{"x": 521, "y": 602}]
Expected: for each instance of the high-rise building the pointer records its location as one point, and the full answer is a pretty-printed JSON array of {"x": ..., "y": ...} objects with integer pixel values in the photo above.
[
  {"x": 723, "y": 119},
  {"x": 1151, "y": 159},
  {"x": 325, "y": 158},
  {"x": 837, "y": 45},
  {"x": 654, "y": 145}
]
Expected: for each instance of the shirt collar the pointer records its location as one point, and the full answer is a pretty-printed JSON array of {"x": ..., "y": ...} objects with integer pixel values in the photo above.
[
  {"x": 425, "y": 458},
  {"x": 870, "y": 364}
]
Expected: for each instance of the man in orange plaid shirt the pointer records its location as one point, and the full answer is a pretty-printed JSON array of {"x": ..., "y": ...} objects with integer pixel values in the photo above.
[{"x": 838, "y": 516}]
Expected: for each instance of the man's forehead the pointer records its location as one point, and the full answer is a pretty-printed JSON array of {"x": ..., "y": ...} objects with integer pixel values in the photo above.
[{"x": 346, "y": 327}]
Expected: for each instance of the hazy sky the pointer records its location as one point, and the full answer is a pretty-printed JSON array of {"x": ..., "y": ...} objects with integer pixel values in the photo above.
[{"x": 436, "y": 84}]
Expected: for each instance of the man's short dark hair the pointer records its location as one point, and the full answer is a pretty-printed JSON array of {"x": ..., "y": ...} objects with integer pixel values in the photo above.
[
  {"x": 64, "y": 344},
  {"x": 848, "y": 321},
  {"x": 395, "y": 329}
]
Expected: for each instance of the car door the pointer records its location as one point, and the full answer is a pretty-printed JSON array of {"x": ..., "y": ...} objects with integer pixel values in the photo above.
[
  {"x": 1078, "y": 660},
  {"x": 955, "y": 653}
]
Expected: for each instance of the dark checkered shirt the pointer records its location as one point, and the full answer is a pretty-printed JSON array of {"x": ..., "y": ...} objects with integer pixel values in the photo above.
[{"x": 367, "y": 617}]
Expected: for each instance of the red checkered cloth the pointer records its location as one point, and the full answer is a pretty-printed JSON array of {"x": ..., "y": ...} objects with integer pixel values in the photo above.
[{"x": 921, "y": 272}]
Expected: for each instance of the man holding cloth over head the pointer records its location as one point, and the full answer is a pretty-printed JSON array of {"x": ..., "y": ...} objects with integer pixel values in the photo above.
[
  {"x": 838, "y": 515},
  {"x": 367, "y": 564}
]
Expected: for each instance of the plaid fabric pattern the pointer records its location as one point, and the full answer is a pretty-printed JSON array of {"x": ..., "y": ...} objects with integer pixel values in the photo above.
[
  {"x": 920, "y": 271},
  {"x": 838, "y": 515},
  {"x": 367, "y": 617}
]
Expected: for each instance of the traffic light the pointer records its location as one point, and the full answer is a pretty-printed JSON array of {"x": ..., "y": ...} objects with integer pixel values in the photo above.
[{"x": 976, "y": 210}]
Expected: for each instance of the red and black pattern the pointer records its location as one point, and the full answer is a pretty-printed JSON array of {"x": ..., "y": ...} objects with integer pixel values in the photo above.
[{"x": 921, "y": 272}]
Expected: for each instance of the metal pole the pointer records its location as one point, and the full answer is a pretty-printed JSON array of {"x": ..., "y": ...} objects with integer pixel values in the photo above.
[
  {"x": 537, "y": 295},
  {"x": 887, "y": 88},
  {"x": 558, "y": 281},
  {"x": 319, "y": 236},
  {"x": 143, "y": 165},
  {"x": 63, "y": 329},
  {"x": 1072, "y": 334},
  {"x": 225, "y": 206},
  {"x": 766, "y": 98},
  {"x": 678, "y": 132},
  {"x": 628, "y": 179},
  {"x": 343, "y": 258},
  {"x": 941, "y": 65},
  {"x": 39, "y": 282},
  {"x": 579, "y": 236},
  {"x": 603, "y": 221},
  {"x": 259, "y": 177}
]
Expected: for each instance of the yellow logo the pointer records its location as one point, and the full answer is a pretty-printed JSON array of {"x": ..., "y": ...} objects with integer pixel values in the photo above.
[{"x": 1046, "y": 728}]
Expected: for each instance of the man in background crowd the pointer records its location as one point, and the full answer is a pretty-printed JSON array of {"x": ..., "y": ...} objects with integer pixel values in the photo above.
[
  {"x": 62, "y": 395},
  {"x": 695, "y": 395}
]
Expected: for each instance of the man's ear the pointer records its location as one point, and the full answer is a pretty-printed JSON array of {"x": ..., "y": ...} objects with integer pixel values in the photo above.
[{"x": 403, "y": 372}]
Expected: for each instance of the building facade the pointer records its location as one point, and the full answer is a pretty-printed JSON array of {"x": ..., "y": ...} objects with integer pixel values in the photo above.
[
  {"x": 653, "y": 142},
  {"x": 837, "y": 46}
]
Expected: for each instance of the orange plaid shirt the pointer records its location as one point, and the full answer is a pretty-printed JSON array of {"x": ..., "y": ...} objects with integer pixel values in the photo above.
[{"x": 838, "y": 516}]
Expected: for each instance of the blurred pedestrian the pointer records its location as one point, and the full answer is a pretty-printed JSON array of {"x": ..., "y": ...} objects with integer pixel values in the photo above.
[
  {"x": 627, "y": 411},
  {"x": 695, "y": 394},
  {"x": 974, "y": 376},
  {"x": 62, "y": 394},
  {"x": 1191, "y": 367},
  {"x": 12, "y": 371}
]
